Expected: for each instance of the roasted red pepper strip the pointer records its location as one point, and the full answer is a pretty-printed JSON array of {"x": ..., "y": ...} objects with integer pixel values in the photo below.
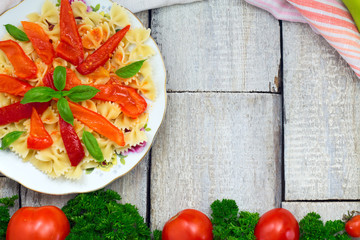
[
  {"x": 102, "y": 54},
  {"x": 24, "y": 67},
  {"x": 70, "y": 47},
  {"x": 17, "y": 111},
  {"x": 131, "y": 103},
  {"x": 97, "y": 123},
  {"x": 13, "y": 86},
  {"x": 72, "y": 143},
  {"x": 71, "y": 80},
  {"x": 40, "y": 41},
  {"x": 39, "y": 138}
]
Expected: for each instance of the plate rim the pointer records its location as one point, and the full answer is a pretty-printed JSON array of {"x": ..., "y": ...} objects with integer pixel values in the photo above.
[{"x": 155, "y": 134}]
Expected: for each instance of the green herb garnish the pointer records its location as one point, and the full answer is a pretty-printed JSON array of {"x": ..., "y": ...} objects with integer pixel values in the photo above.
[
  {"x": 58, "y": 3},
  {"x": 99, "y": 215},
  {"x": 229, "y": 223},
  {"x": 82, "y": 93},
  {"x": 45, "y": 94},
  {"x": 4, "y": 213},
  {"x": 65, "y": 111},
  {"x": 130, "y": 70},
  {"x": 60, "y": 78},
  {"x": 146, "y": 128},
  {"x": 89, "y": 170},
  {"x": 122, "y": 159},
  {"x": 38, "y": 94},
  {"x": 311, "y": 227},
  {"x": 96, "y": 8},
  {"x": 16, "y": 33},
  {"x": 92, "y": 146},
  {"x": 10, "y": 138}
]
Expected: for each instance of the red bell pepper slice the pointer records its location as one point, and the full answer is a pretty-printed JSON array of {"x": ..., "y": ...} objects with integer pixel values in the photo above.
[
  {"x": 98, "y": 123},
  {"x": 103, "y": 53},
  {"x": 17, "y": 111},
  {"x": 70, "y": 47},
  {"x": 131, "y": 103},
  {"x": 24, "y": 67},
  {"x": 13, "y": 86},
  {"x": 39, "y": 138},
  {"x": 72, "y": 143},
  {"x": 40, "y": 41},
  {"x": 71, "y": 80}
]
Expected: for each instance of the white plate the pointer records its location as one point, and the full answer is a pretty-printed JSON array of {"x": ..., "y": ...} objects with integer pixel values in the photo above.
[{"x": 27, "y": 175}]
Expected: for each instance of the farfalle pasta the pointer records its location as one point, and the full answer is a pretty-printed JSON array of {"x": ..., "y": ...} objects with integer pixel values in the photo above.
[{"x": 95, "y": 29}]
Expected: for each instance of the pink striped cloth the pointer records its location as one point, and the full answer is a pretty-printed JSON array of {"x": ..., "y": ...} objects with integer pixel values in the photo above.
[{"x": 330, "y": 18}]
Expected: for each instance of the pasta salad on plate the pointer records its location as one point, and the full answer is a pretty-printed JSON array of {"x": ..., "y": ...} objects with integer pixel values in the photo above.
[{"x": 82, "y": 88}]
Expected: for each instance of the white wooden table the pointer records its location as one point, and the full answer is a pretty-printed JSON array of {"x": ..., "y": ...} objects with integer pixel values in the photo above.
[{"x": 260, "y": 111}]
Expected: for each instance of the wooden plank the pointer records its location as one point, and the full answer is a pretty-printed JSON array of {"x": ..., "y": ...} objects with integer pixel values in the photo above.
[
  {"x": 218, "y": 45},
  {"x": 321, "y": 97},
  {"x": 132, "y": 187},
  {"x": 213, "y": 146},
  {"x": 9, "y": 188},
  {"x": 327, "y": 210}
]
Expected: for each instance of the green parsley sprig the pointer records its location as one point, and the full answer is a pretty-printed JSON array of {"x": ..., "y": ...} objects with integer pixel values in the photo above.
[
  {"x": 5, "y": 203},
  {"x": 99, "y": 215}
]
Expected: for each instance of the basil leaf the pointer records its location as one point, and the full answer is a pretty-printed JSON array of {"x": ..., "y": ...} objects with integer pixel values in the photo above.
[
  {"x": 10, "y": 138},
  {"x": 16, "y": 33},
  {"x": 82, "y": 93},
  {"x": 65, "y": 111},
  {"x": 92, "y": 146},
  {"x": 89, "y": 170},
  {"x": 96, "y": 8},
  {"x": 60, "y": 77},
  {"x": 130, "y": 70},
  {"x": 58, "y": 3},
  {"x": 38, "y": 94}
]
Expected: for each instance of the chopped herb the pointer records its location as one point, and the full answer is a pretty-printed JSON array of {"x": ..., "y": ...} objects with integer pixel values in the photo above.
[
  {"x": 58, "y": 3},
  {"x": 146, "y": 128},
  {"x": 122, "y": 159},
  {"x": 89, "y": 170},
  {"x": 96, "y": 8}
]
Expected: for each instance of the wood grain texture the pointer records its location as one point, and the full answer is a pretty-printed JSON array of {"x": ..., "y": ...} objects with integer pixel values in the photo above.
[
  {"x": 132, "y": 187},
  {"x": 322, "y": 128},
  {"x": 213, "y": 146},
  {"x": 327, "y": 210},
  {"x": 9, "y": 188},
  {"x": 218, "y": 45}
]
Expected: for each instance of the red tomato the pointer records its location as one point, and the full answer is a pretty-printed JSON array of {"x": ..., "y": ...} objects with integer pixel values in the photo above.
[
  {"x": 40, "y": 223},
  {"x": 352, "y": 227},
  {"x": 189, "y": 224},
  {"x": 277, "y": 224}
]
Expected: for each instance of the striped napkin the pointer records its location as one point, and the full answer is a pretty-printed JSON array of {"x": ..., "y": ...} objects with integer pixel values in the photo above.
[
  {"x": 330, "y": 18},
  {"x": 132, "y": 5}
]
